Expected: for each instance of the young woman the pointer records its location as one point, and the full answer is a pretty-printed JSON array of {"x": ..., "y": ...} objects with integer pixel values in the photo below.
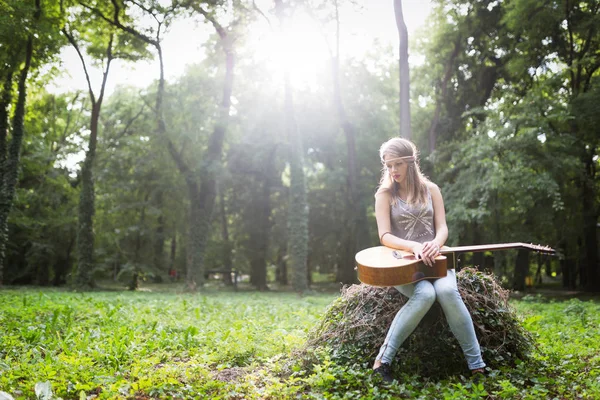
[{"x": 410, "y": 216}]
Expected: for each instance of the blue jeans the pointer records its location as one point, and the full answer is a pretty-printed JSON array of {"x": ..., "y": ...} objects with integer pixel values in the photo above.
[{"x": 421, "y": 296}]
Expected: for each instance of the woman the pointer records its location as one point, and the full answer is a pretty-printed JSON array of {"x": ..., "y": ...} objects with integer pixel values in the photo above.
[{"x": 410, "y": 216}]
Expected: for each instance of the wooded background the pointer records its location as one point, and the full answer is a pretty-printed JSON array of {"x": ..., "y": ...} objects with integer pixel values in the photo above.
[{"x": 227, "y": 167}]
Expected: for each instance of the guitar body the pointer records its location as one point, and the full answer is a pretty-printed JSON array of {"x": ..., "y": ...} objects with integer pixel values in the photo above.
[{"x": 383, "y": 266}]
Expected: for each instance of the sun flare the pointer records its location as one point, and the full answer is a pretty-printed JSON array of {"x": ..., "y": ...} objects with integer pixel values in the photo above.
[{"x": 301, "y": 48}]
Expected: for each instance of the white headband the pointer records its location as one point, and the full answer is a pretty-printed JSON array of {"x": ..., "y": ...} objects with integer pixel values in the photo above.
[{"x": 406, "y": 159}]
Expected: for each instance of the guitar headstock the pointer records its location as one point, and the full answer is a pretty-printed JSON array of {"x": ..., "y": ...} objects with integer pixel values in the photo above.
[{"x": 539, "y": 248}]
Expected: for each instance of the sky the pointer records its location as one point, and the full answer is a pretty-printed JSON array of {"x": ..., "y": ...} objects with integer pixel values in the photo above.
[{"x": 182, "y": 45}]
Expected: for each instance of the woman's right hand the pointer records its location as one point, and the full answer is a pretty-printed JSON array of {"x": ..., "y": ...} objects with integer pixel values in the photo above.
[{"x": 418, "y": 251}]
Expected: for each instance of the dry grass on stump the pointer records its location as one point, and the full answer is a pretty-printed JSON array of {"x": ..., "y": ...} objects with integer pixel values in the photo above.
[{"x": 354, "y": 326}]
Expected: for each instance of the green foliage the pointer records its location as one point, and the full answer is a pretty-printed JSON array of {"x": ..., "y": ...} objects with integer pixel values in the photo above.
[
  {"x": 157, "y": 344},
  {"x": 225, "y": 345},
  {"x": 43, "y": 218},
  {"x": 514, "y": 85},
  {"x": 17, "y": 22},
  {"x": 139, "y": 199}
]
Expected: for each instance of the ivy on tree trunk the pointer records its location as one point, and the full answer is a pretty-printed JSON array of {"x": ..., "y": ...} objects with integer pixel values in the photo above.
[
  {"x": 297, "y": 205},
  {"x": 10, "y": 162},
  {"x": 85, "y": 234},
  {"x": 355, "y": 236}
]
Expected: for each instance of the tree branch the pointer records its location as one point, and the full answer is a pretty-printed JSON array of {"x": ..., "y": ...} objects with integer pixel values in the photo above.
[
  {"x": 148, "y": 104},
  {"x": 115, "y": 21},
  {"x": 220, "y": 30},
  {"x": 109, "y": 58},
  {"x": 128, "y": 125},
  {"x": 258, "y": 10},
  {"x": 588, "y": 78},
  {"x": 87, "y": 75},
  {"x": 148, "y": 10},
  {"x": 571, "y": 50},
  {"x": 444, "y": 86}
]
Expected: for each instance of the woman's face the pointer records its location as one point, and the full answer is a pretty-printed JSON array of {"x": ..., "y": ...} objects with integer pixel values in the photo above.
[{"x": 396, "y": 167}]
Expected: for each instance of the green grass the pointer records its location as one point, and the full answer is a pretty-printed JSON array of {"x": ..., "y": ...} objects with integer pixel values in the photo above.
[{"x": 169, "y": 345}]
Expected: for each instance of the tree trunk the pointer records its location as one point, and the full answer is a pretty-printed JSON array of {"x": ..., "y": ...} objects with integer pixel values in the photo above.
[
  {"x": 5, "y": 203},
  {"x": 260, "y": 233},
  {"x": 450, "y": 68},
  {"x": 159, "y": 237},
  {"x": 521, "y": 269},
  {"x": 85, "y": 234},
  {"x": 538, "y": 272},
  {"x": 568, "y": 265},
  {"x": 281, "y": 274},
  {"x": 590, "y": 233},
  {"x": 85, "y": 237},
  {"x": 405, "y": 130},
  {"x": 357, "y": 233},
  {"x": 298, "y": 205},
  {"x": 208, "y": 190},
  {"x": 477, "y": 258},
  {"x": 43, "y": 270},
  {"x": 309, "y": 270},
  {"x": 5, "y": 102},
  {"x": 63, "y": 262},
  {"x": 227, "y": 262},
  {"x": 195, "y": 241},
  {"x": 564, "y": 266},
  {"x": 173, "y": 275},
  {"x": 345, "y": 272},
  {"x": 548, "y": 268},
  {"x": 10, "y": 170},
  {"x": 135, "y": 282},
  {"x": 499, "y": 263}
]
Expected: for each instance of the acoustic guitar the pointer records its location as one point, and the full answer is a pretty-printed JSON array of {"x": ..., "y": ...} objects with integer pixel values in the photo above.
[{"x": 384, "y": 266}]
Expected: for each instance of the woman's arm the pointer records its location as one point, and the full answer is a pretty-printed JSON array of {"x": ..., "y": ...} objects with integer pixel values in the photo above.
[
  {"x": 384, "y": 225},
  {"x": 431, "y": 249}
]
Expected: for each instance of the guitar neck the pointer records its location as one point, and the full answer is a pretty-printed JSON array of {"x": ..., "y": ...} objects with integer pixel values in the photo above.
[{"x": 493, "y": 247}]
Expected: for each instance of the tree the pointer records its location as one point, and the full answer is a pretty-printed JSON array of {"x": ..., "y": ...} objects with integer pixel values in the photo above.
[
  {"x": 564, "y": 34},
  {"x": 202, "y": 196},
  {"x": 405, "y": 130},
  {"x": 103, "y": 46},
  {"x": 203, "y": 199},
  {"x": 297, "y": 206},
  {"x": 521, "y": 72},
  {"x": 355, "y": 235},
  {"x": 85, "y": 236},
  {"x": 43, "y": 223},
  {"x": 28, "y": 37},
  {"x": 135, "y": 177}
]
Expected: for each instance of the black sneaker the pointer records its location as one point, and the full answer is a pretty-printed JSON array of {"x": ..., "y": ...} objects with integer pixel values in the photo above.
[
  {"x": 385, "y": 371},
  {"x": 478, "y": 374}
]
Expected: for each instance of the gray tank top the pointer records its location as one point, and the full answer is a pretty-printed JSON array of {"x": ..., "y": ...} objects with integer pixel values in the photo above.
[{"x": 413, "y": 222}]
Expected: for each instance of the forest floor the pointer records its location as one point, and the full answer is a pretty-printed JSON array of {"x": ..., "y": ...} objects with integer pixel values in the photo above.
[{"x": 222, "y": 344}]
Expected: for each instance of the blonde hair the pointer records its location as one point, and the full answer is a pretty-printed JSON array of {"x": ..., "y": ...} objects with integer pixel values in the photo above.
[{"x": 416, "y": 182}]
